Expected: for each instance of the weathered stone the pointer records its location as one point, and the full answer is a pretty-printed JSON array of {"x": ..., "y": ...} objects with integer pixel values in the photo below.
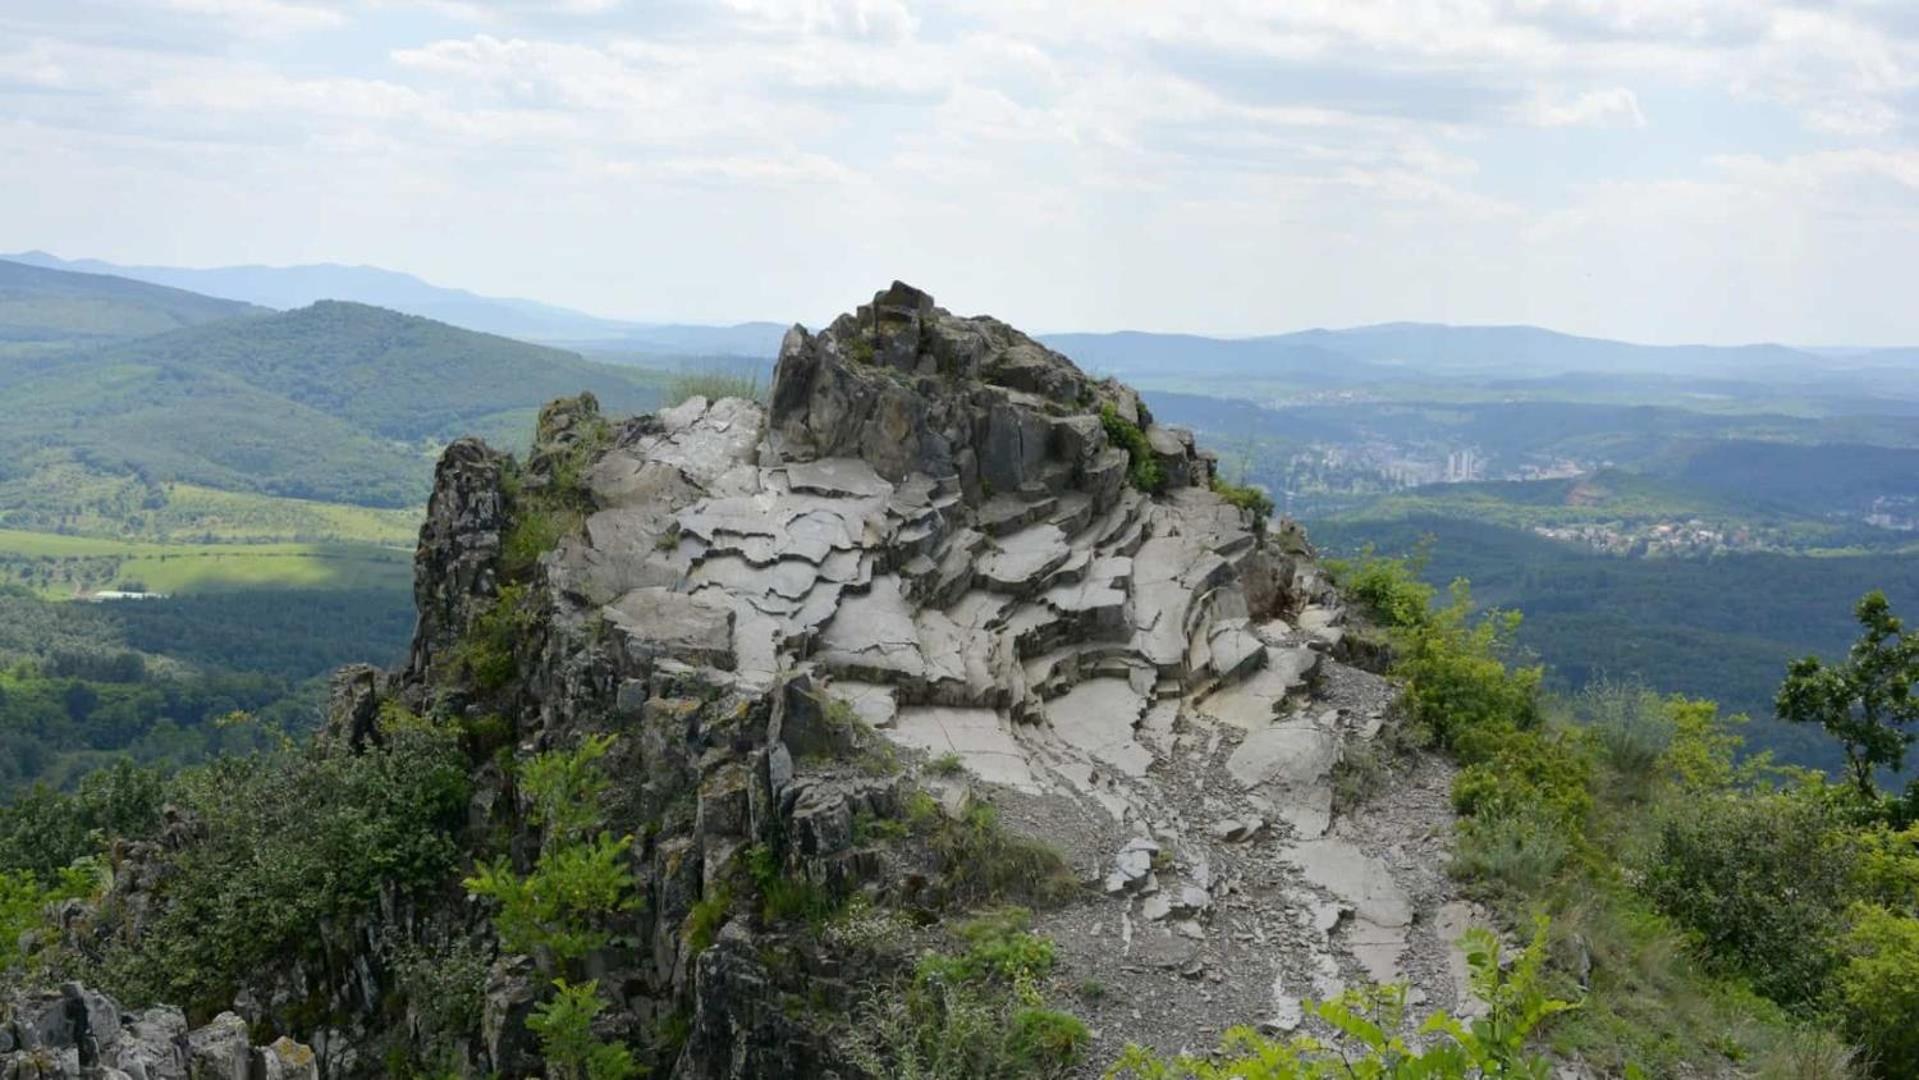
[
  {"x": 981, "y": 737},
  {"x": 663, "y": 624},
  {"x": 220, "y": 1050},
  {"x": 510, "y": 997}
]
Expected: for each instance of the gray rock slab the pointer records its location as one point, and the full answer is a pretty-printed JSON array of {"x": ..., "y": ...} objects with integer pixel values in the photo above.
[
  {"x": 1382, "y": 911},
  {"x": 1254, "y": 702},
  {"x": 837, "y": 476},
  {"x": 706, "y": 441},
  {"x": 1098, "y": 718},
  {"x": 662, "y": 623},
  {"x": 873, "y": 633},
  {"x": 1018, "y": 562},
  {"x": 871, "y": 702},
  {"x": 982, "y": 738}
]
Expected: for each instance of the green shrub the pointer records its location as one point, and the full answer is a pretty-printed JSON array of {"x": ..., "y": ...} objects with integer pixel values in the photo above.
[
  {"x": 43, "y": 831},
  {"x": 783, "y": 897},
  {"x": 1762, "y": 881},
  {"x": 581, "y": 876},
  {"x": 564, "y": 1024},
  {"x": 1143, "y": 469},
  {"x": 1518, "y": 850},
  {"x": 711, "y": 385},
  {"x": 1000, "y": 947},
  {"x": 1456, "y": 684},
  {"x": 1246, "y": 497},
  {"x": 1540, "y": 773},
  {"x": 487, "y": 652},
  {"x": 980, "y": 1013},
  {"x": 1632, "y": 727},
  {"x": 1388, "y": 589},
  {"x": 444, "y": 986},
  {"x": 24, "y": 900},
  {"x": 288, "y": 846},
  {"x": 947, "y": 764},
  {"x": 982, "y": 862},
  {"x": 1878, "y": 988},
  {"x": 1047, "y": 1041},
  {"x": 708, "y": 914},
  {"x": 534, "y": 531}
]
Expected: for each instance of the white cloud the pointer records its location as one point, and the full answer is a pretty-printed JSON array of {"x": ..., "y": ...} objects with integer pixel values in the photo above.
[
  {"x": 1178, "y": 162},
  {"x": 261, "y": 17},
  {"x": 1614, "y": 107}
]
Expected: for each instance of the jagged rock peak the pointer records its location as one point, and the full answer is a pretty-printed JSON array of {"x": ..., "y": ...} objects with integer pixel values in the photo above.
[{"x": 911, "y": 387}]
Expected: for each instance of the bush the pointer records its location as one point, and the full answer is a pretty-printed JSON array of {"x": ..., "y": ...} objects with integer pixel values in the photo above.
[
  {"x": 43, "y": 831},
  {"x": 1143, "y": 469},
  {"x": 581, "y": 875},
  {"x": 288, "y": 847},
  {"x": 981, "y": 862},
  {"x": 1631, "y": 726},
  {"x": 24, "y": 900},
  {"x": 564, "y": 1024},
  {"x": 980, "y": 1013},
  {"x": 783, "y": 897},
  {"x": 1246, "y": 497},
  {"x": 1457, "y": 685},
  {"x": 1389, "y": 589},
  {"x": 1762, "y": 881},
  {"x": 487, "y": 652},
  {"x": 1878, "y": 988},
  {"x": 1518, "y": 851},
  {"x": 1539, "y": 774}
]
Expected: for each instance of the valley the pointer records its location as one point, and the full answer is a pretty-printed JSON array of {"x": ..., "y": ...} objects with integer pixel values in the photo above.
[{"x": 199, "y": 526}]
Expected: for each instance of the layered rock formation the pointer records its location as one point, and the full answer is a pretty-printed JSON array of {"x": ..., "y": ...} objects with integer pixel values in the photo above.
[
  {"x": 931, "y": 544},
  {"x": 931, "y": 524}
]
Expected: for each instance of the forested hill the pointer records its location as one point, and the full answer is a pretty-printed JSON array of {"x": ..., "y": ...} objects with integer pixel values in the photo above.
[
  {"x": 336, "y": 401},
  {"x": 41, "y": 307}
]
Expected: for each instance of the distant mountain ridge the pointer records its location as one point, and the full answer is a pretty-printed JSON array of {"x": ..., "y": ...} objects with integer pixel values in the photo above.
[
  {"x": 43, "y": 307},
  {"x": 1322, "y": 357},
  {"x": 1399, "y": 350},
  {"x": 287, "y": 287},
  {"x": 336, "y": 401}
]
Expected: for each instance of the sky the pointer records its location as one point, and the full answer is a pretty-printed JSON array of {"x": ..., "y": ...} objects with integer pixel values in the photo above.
[{"x": 1655, "y": 170}]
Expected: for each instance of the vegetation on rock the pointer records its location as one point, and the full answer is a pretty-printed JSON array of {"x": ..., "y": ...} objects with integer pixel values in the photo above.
[{"x": 1143, "y": 471}]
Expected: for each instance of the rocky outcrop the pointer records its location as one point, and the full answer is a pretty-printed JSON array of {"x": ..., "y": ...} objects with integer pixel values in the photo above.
[
  {"x": 457, "y": 564},
  {"x": 929, "y": 544},
  {"x": 931, "y": 526},
  {"x": 78, "y": 1033}
]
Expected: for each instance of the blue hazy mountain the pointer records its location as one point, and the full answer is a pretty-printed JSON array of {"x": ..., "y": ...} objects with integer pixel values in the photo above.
[{"x": 289, "y": 287}]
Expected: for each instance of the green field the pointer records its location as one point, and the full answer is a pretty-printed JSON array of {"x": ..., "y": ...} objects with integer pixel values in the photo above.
[{"x": 58, "y": 566}]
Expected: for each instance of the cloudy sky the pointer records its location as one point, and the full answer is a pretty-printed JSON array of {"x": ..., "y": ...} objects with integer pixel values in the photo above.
[{"x": 1662, "y": 170}]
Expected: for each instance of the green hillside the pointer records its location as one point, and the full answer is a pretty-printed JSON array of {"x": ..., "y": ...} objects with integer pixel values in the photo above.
[
  {"x": 1722, "y": 628},
  {"x": 335, "y": 402},
  {"x": 41, "y": 308}
]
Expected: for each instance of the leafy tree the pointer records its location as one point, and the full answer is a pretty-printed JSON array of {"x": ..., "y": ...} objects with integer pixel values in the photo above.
[
  {"x": 1866, "y": 702},
  {"x": 564, "y": 1024},
  {"x": 288, "y": 847},
  {"x": 580, "y": 875}
]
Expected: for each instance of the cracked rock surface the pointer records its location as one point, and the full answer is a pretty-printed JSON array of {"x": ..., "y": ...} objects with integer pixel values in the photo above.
[{"x": 929, "y": 522}]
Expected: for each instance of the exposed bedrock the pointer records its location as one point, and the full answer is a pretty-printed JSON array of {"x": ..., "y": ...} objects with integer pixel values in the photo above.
[{"x": 931, "y": 527}]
